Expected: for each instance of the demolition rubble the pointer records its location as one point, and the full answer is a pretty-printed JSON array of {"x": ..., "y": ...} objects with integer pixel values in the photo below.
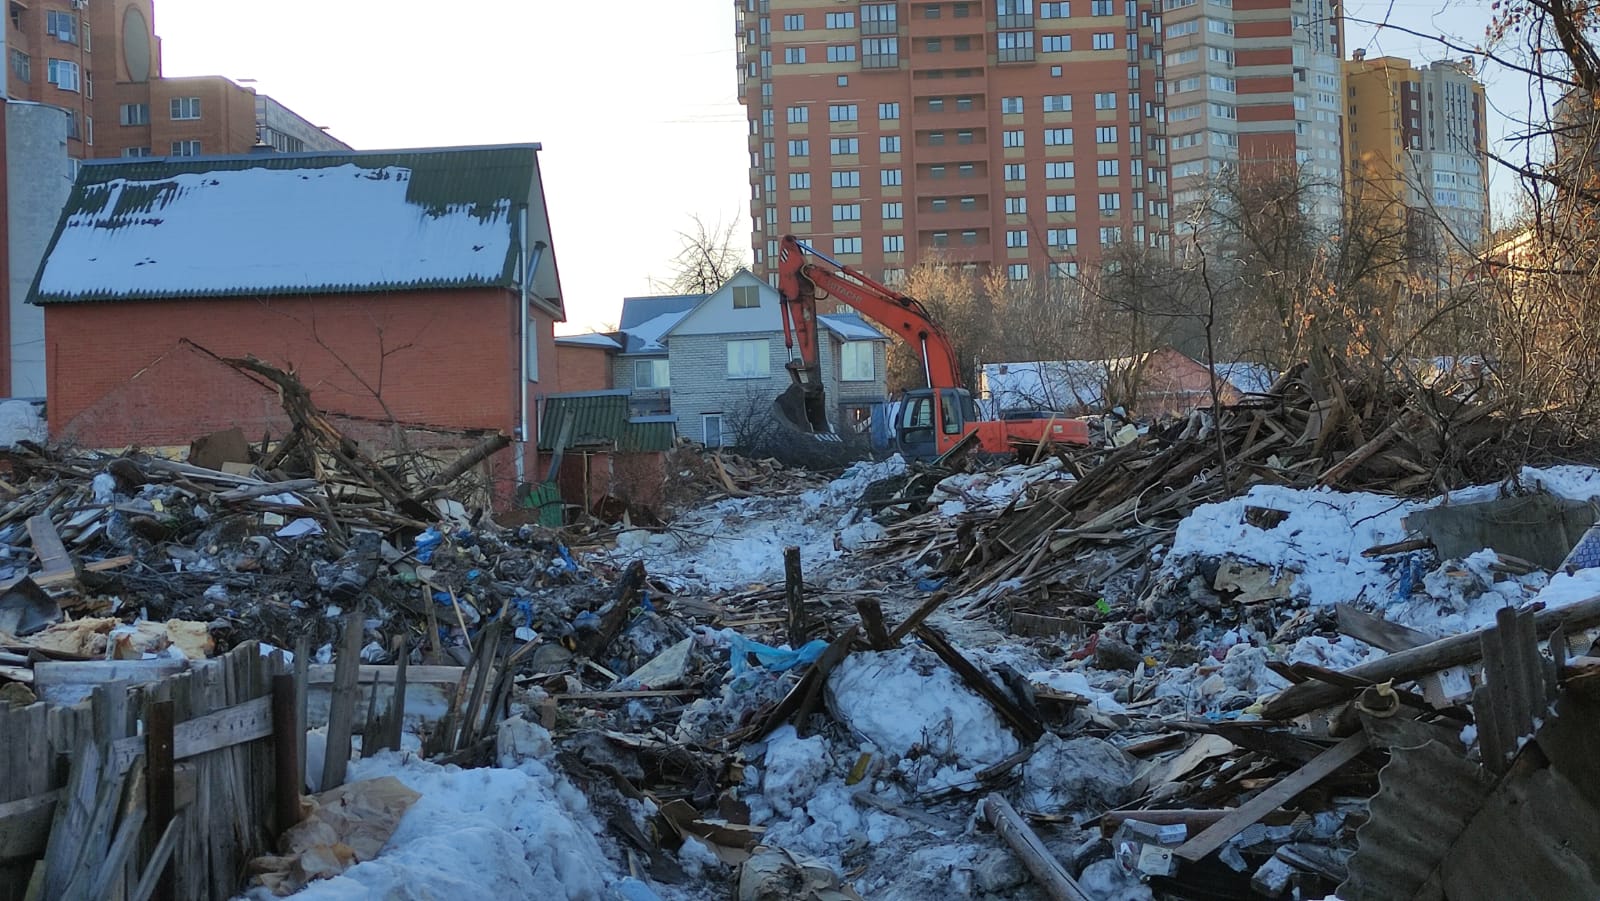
[{"x": 1322, "y": 642}]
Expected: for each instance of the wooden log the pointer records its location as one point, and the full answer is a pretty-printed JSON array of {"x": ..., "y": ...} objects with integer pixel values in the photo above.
[
  {"x": 247, "y": 492},
  {"x": 478, "y": 453},
  {"x": 871, "y": 613},
  {"x": 160, "y": 742},
  {"x": 917, "y": 616},
  {"x": 818, "y": 677},
  {"x": 794, "y": 597},
  {"x": 289, "y": 771},
  {"x": 1420, "y": 661},
  {"x": 1026, "y": 725},
  {"x": 1014, "y": 831},
  {"x": 616, "y": 614},
  {"x": 342, "y": 708},
  {"x": 1196, "y": 819}
]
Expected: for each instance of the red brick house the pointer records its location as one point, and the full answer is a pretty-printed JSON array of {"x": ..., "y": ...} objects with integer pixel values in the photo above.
[{"x": 394, "y": 283}]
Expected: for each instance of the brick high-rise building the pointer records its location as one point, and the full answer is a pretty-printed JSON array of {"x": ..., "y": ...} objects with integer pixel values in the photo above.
[
  {"x": 1416, "y": 140},
  {"x": 100, "y": 60},
  {"x": 1004, "y": 133}
]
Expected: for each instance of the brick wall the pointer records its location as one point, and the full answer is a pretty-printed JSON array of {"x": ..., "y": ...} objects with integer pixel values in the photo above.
[{"x": 582, "y": 369}]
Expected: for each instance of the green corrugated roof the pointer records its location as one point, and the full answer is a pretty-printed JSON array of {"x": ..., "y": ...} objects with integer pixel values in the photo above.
[{"x": 602, "y": 419}]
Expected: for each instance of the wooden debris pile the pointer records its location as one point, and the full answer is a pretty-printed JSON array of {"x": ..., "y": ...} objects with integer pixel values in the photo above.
[{"x": 697, "y": 475}]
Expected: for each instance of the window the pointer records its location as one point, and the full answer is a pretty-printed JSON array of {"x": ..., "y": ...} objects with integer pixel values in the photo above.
[
  {"x": 1107, "y": 168},
  {"x": 1012, "y": 137},
  {"x": 746, "y": 297},
  {"x": 1220, "y": 83},
  {"x": 894, "y": 210},
  {"x": 800, "y": 147},
  {"x": 941, "y": 239},
  {"x": 936, "y": 139},
  {"x": 967, "y": 170},
  {"x": 1105, "y": 134},
  {"x": 72, "y": 124},
  {"x": 186, "y": 107},
  {"x": 62, "y": 24},
  {"x": 88, "y": 129},
  {"x": 894, "y": 243},
  {"x": 1017, "y": 238},
  {"x": 185, "y": 148},
  {"x": 712, "y": 428},
  {"x": 847, "y": 212},
  {"x": 800, "y": 213},
  {"x": 847, "y": 178},
  {"x": 880, "y": 53},
  {"x": 1016, "y": 205},
  {"x": 88, "y": 43},
  {"x": 842, "y": 112},
  {"x": 889, "y": 144},
  {"x": 794, "y": 22},
  {"x": 1110, "y": 203},
  {"x": 1223, "y": 111},
  {"x": 1016, "y": 172},
  {"x": 1105, "y": 100},
  {"x": 799, "y": 181},
  {"x": 877, "y": 18},
  {"x": 888, "y": 111},
  {"x": 1102, "y": 8},
  {"x": 940, "y": 205},
  {"x": 846, "y": 245},
  {"x": 969, "y": 237},
  {"x": 841, "y": 53},
  {"x": 1105, "y": 40},
  {"x": 963, "y": 43},
  {"x": 1068, "y": 269},
  {"x": 1058, "y": 103},
  {"x": 1014, "y": 46},
  {"x": 1180, "y": 29},
  {"x": 935, "y": 104},
  {"x": 798, "y": 114},
  {"x": 856, "y": 361},
  {"x": 844, "y": 146},
  {"x": 1219, "y": 26},
  {"x": 1062, "y": 237},
  {"x": 890, "y": 178},
  {"x": 63, "y": 74},
  {"x": 1060, "y": 170},
  {"x": 933, "y": 45},
  {"x": 794, "y": 55},
  {"x": 1055, "y": 10},
  {"x": 651, "y": 374},
  {"x": 840, "y": 20},
  {"x": 749, "y": 359},
  {"x": 1061, "y": 203},
  {"x": 136, "y": 152},
  {"x": 1017, "y": 272},
  {"x": 1010, "y": 105},
  {"x": 21, "y": 65},
  {"x": 1057, "y": 137},
  {"x": 1056, "y": 43},
  {"x": 1111, "y": 235}
]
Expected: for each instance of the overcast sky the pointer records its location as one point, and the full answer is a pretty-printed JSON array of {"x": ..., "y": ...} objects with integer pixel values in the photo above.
[{"x": 633, "y": 100}]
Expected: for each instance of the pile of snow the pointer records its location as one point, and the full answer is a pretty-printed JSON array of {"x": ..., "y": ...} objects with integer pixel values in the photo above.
[
  {"x": 847, "y": 488},
  {"x": 990, "y": 490}
]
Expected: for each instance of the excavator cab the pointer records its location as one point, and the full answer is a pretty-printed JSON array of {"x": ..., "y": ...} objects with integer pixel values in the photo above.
[{"x": 931, "y": 421}]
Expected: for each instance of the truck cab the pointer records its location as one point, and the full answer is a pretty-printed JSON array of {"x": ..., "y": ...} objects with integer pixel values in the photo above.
[{"x": 931, "y": 421}]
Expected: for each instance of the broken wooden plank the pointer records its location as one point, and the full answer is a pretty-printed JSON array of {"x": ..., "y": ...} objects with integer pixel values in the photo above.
[
  {"x": 871, "y": 613},
  {"x": 624, "y": 695},
  {"x": 1050, "y": 875},
  {"x": 1285, "y": 790},
  {"x": 915, "y": 619},
  {"x": 1026, "y": 725},
  {"x": 212, "y": 732}
]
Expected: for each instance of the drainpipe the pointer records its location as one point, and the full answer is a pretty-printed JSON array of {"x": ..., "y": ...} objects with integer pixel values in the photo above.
[{"x": 530, "y": 265}]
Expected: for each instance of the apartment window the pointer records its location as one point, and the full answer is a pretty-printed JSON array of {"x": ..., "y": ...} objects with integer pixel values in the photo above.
[
  {"x": 1105, "y": 40},
  {"x": 847, "y": 178},
  {"x": 794, "y": 22},
  {"x": 185, "y": 107},
  {"x": 939, "y": 205},
  {"x": 746, "y": 297},
  {"x": 847, "y": 212},
  {"x": 880, "y": 53},
  {"x": 936, "y": 172},
  {"x": 651, "y": 374},
  {"x": 1105, "y": 100},
  {"x": 1055, "y": 10},
  {"x": 888, "y": 111},
  {"x": 1223, "y": 111},
  {"x": 842, "y": 112},
  {"x": 1061, "y": 237},
  {"x": 967, "y": 204},
  {"x": 941, "y": 239},
  {"x": 969, "y": 237},
  {"x": 1017, "y": 238},
  {"x": 935, "y": 104},
  {"x": 799, "y": 181},
  {"x": 1061, "y": 203},
  {"x": 967, "y": 170},
  {"x": 798, "y": 114},
  {"x": 1056, "y": 43},
  {"x": 890, "y": 178},
  {"x": 961, "y": 11},
  {"x": 62, "y": 24},
  {"x": 88, "y": 43},
  {"x": 1058, "y": 103},
  {"x": 1107, "y": 168},
  {"x": 1105, "y": 134},
  {"x": 1016, "y": 205},
  {"x": 1102, "y": 7},
  {"x": 856, "y": 359},
  {"x": 800, "y": 213},
  {"x": 840, "y": 20},
  {"x": 844, "y": 146},
  {"x": 846, "y": 245},
  {"x": 1016, "y": 172},
  {"x": 63, "y": 74},
  {"x": 799, "y": 147},
  {"x": 1181, "y": 29},
  {"x": 877, "y": 18},
  {"x": 21, "y": 65},
  {"x": 841, "y": 53},
  {"x": 1068, "y": 269},
  {"x": 936, "y": 139},
  {"x": 1012, "y": 137},
  {"x": 88, "y": 130},
  {"x": 72, "y": 124},
  {"x": 1219, "y": 26},
  {"x": 1017, "y": 272},
  {"x": 88, "y": 84},
  {"x": 964, "y": 137},
  {"x": 894, "y": 210},
  {"x": 185, "y": 148},
  {"x": 889, "y": 144},
  {"x": 1060, "y": 170},
  {"x": 894, "y": 243},
  {"x": 1057, "y": 137},
  {"x": 1110, "y": 203},
  {"x": 1220, "y": 83},
  {"x": 1014, "y": 46},
  {"x": 1111, "y": 234},
  {"x": 136, "y": 152},
  {"x": 794, "y": 55},
  {"x": 933, "y": 45},
  {"x": 749, "y": 359},
  {"x": 962, "y": 43}
]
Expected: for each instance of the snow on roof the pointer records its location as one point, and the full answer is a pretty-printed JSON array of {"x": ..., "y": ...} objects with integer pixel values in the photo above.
[
  {"x": 1249, "y": 378},
  {"x": 851, "y": 327},
  {"x": 637, "y": 311},
  {"x": 646, "y": 337},
  {"x": 590, "y": 339},
  {"x": 1049, "y": 385},
  {"x": 302, "y": 224}
]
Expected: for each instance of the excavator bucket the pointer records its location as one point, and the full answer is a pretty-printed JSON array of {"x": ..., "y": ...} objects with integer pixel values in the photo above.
[{"x": 802, "y": 410}]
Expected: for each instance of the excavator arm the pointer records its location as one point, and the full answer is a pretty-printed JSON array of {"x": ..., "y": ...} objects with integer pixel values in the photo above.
[{"x": 801, "y": 283}]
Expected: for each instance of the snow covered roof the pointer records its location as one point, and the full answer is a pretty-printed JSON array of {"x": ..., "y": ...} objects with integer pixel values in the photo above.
[
  {"x": 1048, "y": 385},
  {"x": 850, "y": 327},
  {"x": 298, "y": 224},
  {"x": 647, "y": 337},
  {"x": 590, "y": 339},
  {"x": 646, "y": 320},
  {"x": 1248, "y": 378}
]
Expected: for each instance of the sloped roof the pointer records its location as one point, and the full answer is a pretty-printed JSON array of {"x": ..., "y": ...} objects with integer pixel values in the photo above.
[
  {"x": 293, "y": 224},
  {"x": 636, "y": 311},
  {"x": 851, "y": 327},
  {"x": 1248, "y": 378},
  {"x": 602, "y": 419},
  {"x": 1047, "y": 384},
  {"x": 590, "y": 339}
]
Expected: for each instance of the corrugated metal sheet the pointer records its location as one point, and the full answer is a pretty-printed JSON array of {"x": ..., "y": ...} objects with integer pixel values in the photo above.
[
  {"x": 293, "y": 224},
  {"x": 601, "y": 419}
]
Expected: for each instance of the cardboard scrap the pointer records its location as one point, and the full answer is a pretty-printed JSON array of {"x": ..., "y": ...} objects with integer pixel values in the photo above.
[
  {"x": 773, "y": 874},
  {"x": 347, "y": 825}
]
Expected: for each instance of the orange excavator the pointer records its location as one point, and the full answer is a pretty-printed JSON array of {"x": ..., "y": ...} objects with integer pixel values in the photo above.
[{"x": 933, "y": 421}]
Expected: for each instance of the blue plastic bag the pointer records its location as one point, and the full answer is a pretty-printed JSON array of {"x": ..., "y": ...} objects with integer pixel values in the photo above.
[
  {"x": 772, "y": 659},
  {"x": 427, "y": 543}
]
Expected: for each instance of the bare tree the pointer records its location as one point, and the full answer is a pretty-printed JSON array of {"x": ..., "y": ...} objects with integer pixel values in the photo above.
[{"x": 708, "y": 257}]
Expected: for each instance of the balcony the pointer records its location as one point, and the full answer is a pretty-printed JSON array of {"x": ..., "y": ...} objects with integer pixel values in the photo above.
[
  {"x": 953, "y": 221},
  {"x": 949, "y": 59},
  {"x": 945, "y": 26},
  {"x": 951, "y": 153},
  {"x": 949, "y": 86}
]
